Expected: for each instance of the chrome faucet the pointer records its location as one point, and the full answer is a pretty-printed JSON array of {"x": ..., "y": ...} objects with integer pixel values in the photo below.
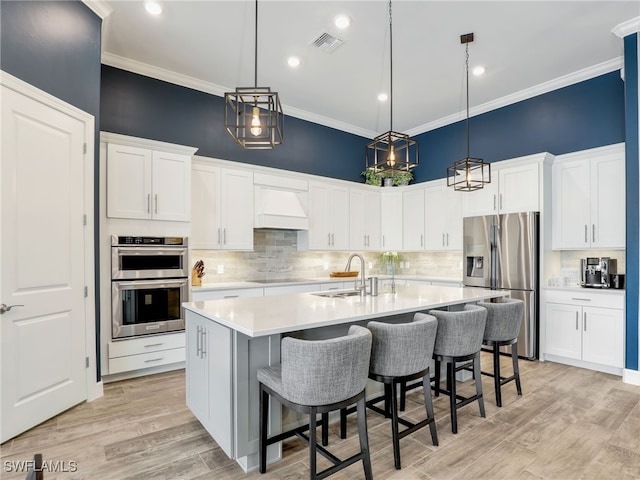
[{"x": 362, "y": 286}]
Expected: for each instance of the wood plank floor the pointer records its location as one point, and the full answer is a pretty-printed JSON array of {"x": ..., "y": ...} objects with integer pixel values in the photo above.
[{"x": 570, "y": 423}]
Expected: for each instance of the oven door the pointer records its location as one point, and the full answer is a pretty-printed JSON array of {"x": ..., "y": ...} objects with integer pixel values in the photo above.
[
  {"x": 148, "y": 262},
  {"x": 143, "y": 307}
]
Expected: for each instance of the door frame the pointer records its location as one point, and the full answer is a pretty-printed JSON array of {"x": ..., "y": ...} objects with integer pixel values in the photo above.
[{"x": 94, "y": 386}]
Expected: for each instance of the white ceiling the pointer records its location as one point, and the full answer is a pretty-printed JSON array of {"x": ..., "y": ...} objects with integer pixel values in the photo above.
[{"x": 526, "y": 47}]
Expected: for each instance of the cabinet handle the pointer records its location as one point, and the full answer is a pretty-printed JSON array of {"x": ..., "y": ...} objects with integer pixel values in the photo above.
[
  {"x": 198, "y": 340},
  {"x": 148, "y": 203},
  {"x": 224, "y": 236},
  {"x": 585, "y": 321},
  {"x": 383, "y": 240},
  {"x": 593, "y": 233},
  {"x": 443, "y": 239},
  {"x": 447, "y": 239},
  {"x": 421, "y": 240},
  {"x": 581, "y": 299},
  {"x": 333, "y": 240},
  {"x": 218, "y": 236},
  {"x": 156, "y": 203},
  {"x": 328, "y": 239},
  {"x": 204, "y": 343},
  {"x": 494, "y": 202},
  {"x": 576, "y": 320},
  {"x": 231, "y": 296},
  {"x": 500, "y": 201},
  {"x": 153, "y": 345},
  {"x": 154, "y": 360},
  {"x": 586, "y": 239}
]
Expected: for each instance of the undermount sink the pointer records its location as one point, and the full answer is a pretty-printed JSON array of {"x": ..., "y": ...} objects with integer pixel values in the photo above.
[{"x": 337, "y": 293}]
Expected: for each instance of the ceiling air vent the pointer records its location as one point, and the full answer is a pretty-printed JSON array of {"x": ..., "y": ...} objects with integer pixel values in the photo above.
[{"x": 326, "y": 42}]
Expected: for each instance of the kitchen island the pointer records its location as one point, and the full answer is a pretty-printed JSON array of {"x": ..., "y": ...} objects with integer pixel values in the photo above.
[{"x": 228, "y": 340}]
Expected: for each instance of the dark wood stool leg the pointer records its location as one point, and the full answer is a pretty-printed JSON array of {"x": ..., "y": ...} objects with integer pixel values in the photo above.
[
  {"x": 325, "y": 429},
  {"x": 264, "y": 417},
  {"x": 387, "y": 400},
  {"x": 496, "y": 374},
  {"x": 394, "y": 425},
  {"x": 478, "y": 373},
  {"x": 313, "y": 468},
  {"x": 516, "y": 368},
  {"x": 451, "y": 386},
  {"x": 403, "y": 396},
  {"x": 428, "y": 403},
  {"x": 364, "y": 439},
  {"x": 343, "y": 423}
]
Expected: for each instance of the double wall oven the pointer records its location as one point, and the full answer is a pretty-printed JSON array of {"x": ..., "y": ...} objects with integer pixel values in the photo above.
[{"x": 149, "y": 282}]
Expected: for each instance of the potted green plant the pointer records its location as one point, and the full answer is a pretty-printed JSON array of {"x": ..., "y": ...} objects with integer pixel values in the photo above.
[
  {"x": 371, "y": 177},
  {"x": 391, "y": 260},
  {"x": 402, "y": 177}
]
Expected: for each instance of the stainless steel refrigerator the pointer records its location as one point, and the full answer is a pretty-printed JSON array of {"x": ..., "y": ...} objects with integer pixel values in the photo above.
[{"x": 501, "y": 252}]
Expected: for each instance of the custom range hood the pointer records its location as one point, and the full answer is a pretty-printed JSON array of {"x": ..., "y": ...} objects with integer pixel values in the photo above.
[{"x": 280, "y": 202}]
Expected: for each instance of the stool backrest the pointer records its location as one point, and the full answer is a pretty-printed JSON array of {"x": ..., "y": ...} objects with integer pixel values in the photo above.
[
  {"x": 460, "y": 333},
  {"x": 321, "y": 372},
  {"x": 400, "y": 349},
  {"x": 503, "y": 319}
]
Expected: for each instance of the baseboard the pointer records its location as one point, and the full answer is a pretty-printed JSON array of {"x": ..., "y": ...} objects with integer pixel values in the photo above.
[
  {"x": 141, "y": 373},
  {"x": 631, "y": 376}
]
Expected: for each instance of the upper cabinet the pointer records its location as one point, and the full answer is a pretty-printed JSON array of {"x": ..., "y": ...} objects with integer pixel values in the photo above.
[
  {"x": 413, "y": 211},
  {"x": 222, "y": 208},
  {"x": 443, "y": 218},
  {"x": 589, "y": 199},
  {"x": 364, "y": 219},
  {"x": 513, "y": 188},
  {"x": 391, "y": 219},
  {"x": 147, "y": 180},
  {"x": 328, "y": 216}
]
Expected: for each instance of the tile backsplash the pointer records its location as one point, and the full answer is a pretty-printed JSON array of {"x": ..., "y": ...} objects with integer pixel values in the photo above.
[{"x": 276, "y": 256}]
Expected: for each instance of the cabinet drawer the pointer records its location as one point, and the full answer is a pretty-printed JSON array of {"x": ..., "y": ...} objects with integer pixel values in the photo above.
[
  {"x": 203, "y": 296},
  {"x": 585, "y": 298},
  {"x": 154, "y": 343},
  {"x": 146, "y": 360}
]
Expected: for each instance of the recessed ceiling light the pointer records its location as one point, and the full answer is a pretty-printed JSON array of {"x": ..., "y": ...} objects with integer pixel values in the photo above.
[
  {"x": 154, "y": 8},
  {"x": 479, "y": 70},
  {"x": 293, "y": 62},
  {"x": 383, "y": 97},
  {"x": 342, "y": 21}
]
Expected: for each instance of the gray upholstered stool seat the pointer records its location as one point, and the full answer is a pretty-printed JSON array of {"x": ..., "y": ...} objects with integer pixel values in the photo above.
[
  {"x": 316, "y": 377},
  {"x": 403, "y": 352},
  {"x": 504, "y": 319},
  {"x": 459, "y": 339}
]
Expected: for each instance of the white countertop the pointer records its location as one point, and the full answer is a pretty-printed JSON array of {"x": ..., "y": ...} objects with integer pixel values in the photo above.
[{"x": 259, "y": 316}]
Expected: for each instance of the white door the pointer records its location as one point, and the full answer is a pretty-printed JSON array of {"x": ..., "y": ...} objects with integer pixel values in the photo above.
[{"x": 42, "y": 258}]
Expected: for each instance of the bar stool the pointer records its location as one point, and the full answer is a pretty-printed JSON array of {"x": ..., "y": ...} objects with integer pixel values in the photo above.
[
  {"x": 459, "y": 339},
  {"x": 316, "y": 377},
  {"x": 400, "y": 353},
  {"x": 504, "y": 319}
]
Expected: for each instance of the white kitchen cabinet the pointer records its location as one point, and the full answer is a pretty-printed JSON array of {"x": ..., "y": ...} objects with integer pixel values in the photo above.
[
  {"x": 222, "y": 208},
  {"x": 147, "y": 180},
  {"x": 585, "y": 329},
  {"x": 512, "y": 189},
  {"x": 413, "y": 219},
  {"x": 443, "y": 218},
  {"x": 589, "y": 199},
  {"x": 145, "y": 352},
  {"x": 364, "y": 219},
  {"x": 391, "y": 213},
  {"x": 328, "y": 217}
]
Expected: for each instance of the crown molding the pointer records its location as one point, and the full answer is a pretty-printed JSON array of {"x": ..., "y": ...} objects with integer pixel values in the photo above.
[
  {"x": 99, "y": 7},
  {"x": 627, "y": 28},
  {"x": 560, "y": 82}
]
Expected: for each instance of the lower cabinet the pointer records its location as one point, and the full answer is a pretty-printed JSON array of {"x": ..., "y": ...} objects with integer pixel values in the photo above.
[
  {"x": 585, "y": 329},
  {"x": 145, "y": 352}
]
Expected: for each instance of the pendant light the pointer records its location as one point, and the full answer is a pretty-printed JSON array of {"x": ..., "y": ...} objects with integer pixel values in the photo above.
[
  {"x": 253, "y": 115},
  {"x": 468, "y": 174},
  {"x": 392, "y": 152}
]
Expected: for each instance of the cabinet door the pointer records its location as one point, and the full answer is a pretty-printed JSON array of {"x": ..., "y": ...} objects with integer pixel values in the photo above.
[
  {"x": 205, "y": 208},
  {"x": 564, "y": 337},
  {"x": 364, "y": 220},
  {"x": 483, "y": 201},
  {"x": 339, "y": 218},
  {"x": 608, "y": 202},
  {"x": 435, "y": 230},
  {"x": 571, "y": 205},
  {"x": 197, "y": 371},
  {"x": 602, "y": 336},
  {"x": 171, "y": 186},
  {"x": 453, "y": 218},
  {"x": 236, "y": 209},
  {"x": 391, "y": 221},
  {"x": 128, "y": 182},
  {"x": 319, "y": 205},
  {"x": 518, "y": 189},
  {"x": 413, "y": 219}
]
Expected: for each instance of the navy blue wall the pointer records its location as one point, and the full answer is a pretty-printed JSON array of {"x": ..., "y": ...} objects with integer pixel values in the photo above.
[
  {"x": 585, "y": 115},
  {"x": 55, "y": 46},
  {"x": 632, "y": 180},
  {"x": 144, "y": 107}
]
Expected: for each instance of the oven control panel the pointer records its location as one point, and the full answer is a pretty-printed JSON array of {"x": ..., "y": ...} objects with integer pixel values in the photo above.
[{"x": 128, "y": 240}]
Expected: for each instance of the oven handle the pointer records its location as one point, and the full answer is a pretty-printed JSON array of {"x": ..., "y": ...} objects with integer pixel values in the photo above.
[
  {"x": 151, "y": 250},
  {"x": 140, "y": 284}
]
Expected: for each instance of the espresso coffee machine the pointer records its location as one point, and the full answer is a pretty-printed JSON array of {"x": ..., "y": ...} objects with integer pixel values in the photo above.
[{"x": 597, "y": 271}]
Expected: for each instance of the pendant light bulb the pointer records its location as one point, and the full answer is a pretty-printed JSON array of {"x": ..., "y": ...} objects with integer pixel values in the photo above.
[
  {"x": 256, "y": 127},
  {"x": 392, "y": 157}
]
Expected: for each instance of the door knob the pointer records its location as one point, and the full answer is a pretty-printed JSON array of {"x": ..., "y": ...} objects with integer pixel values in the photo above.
[{"x": 4, "y": 308}]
